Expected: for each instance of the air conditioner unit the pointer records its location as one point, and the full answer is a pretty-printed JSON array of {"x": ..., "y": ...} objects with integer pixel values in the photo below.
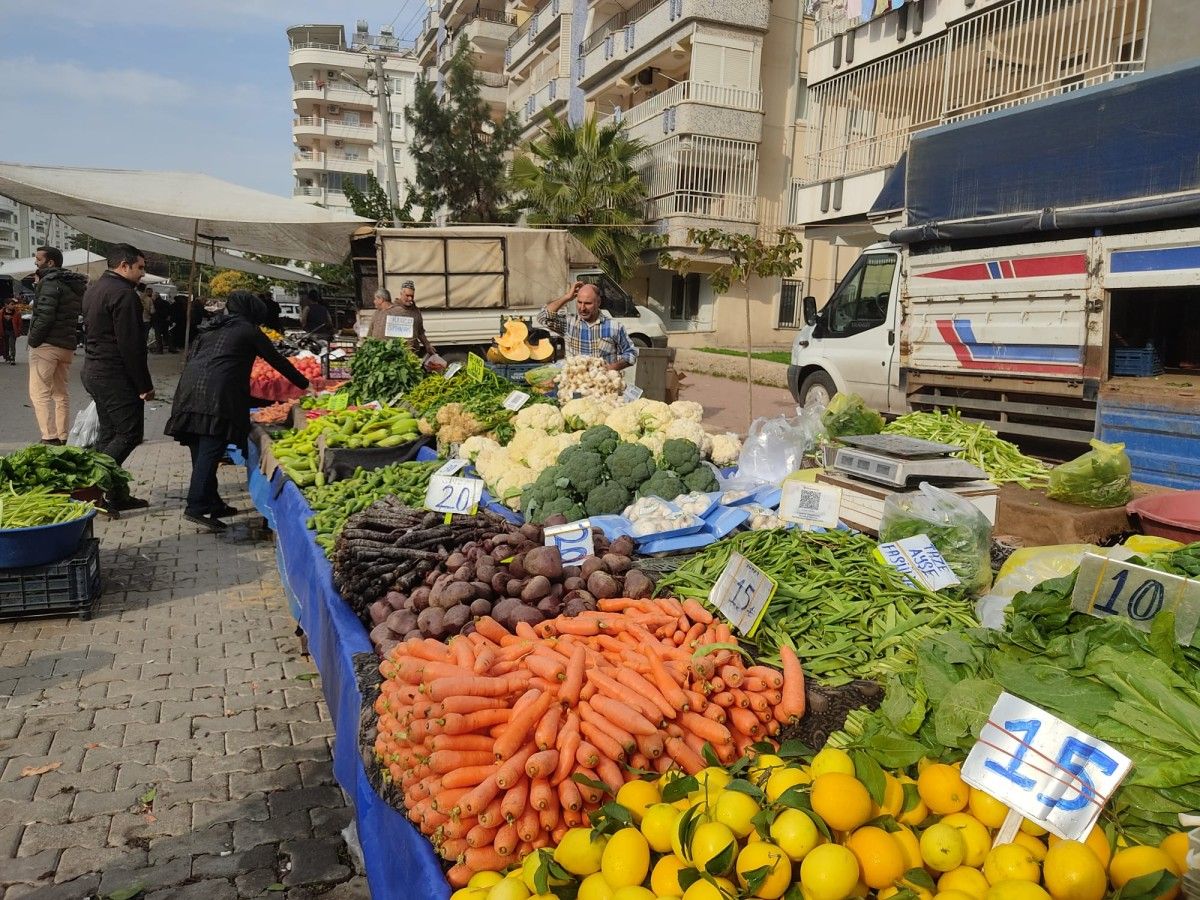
[
  {"x": 332, "y": 73},
  {"x": 646, "y": 76},
  {"x": 337, "y": 143},
  {"x": 334, "y": 109}
]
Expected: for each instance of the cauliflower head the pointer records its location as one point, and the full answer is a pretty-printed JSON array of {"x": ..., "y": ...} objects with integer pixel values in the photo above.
[
  {"x": 511, "y": 483},
  {"x": 526, "y": 443},
  {"x": 652, "y": 415},
  {"x": 687, "y": 409},
  {"x": 476, "y": 445},
  {"x": 726, "y": 448},
  {"x": 686, "y": 429},
  {"x": 584, "y": 412},
  {"x": 624, "y": 421},
  {"x": 541, "y": 416}
]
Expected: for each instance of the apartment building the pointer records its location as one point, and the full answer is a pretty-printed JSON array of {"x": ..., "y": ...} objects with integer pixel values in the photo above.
[
  {"x": 488, "y": 29},
  {"x": 338, "y": 132},
  {"x": 880, "y": 71},
  {"x": 24, "y": 229}
]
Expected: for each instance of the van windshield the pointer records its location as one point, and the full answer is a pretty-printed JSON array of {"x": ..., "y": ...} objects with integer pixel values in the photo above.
[{"x": 861, "y": 300}]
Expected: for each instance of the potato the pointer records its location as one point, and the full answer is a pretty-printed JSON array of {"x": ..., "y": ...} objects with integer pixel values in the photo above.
[
  {"x": 465, "y": 572},
  {"x": 454, "y": 560},
  {"x": 480, "y": 608},
  {"x": 545, "y": 561},
  {"x": 602, "y": 585},
  {"x": 402, "y": 621},
  {"x": 638, "y": 584},
  {"x": 455, "y": 618},
  {"x": 396, "y": 600},
  {"x": 574, "y": 583},
  {"x": 516, "y": 568},
  {"x": 590, "y": 565},
  {"x": 379, "y": 611},
  {"x": 432, "y": 577},
  {"x": 453, "y": 594},
  {"x": 617, "y": 565},
  {"x": 483, "y": 590},
  {"x": 536, "y": 588},
  {"x": 571, "y": 571},
  {"x": 430, "y": 622},
  {"x": 622, "y": 546},
  {"x": 381, "y": 633},
  {"x": 485, "y": 572}
]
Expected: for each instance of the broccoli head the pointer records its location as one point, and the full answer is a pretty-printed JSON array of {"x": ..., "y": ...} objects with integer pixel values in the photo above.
[
  {"x": 701, "y": 479},
  {"x": 680, "y": 456},
  {"x": 566, "y": 455},
  {"x": 600, "y": 439},
  {"x": 662, "y": 484},
  {"x": 630, "y": 464},
  {"x": 608, "y": 499},
  {"x": 561, "y": 506},
  {"x": 584, "y": 471},
  {"x": 536, "y": 497}
]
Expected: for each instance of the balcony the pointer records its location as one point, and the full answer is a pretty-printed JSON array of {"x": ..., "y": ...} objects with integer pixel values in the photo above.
[
  {"x": 696, "y": 181},
  {"x": 308, "y": 125},
  {"x": 314, "y": 126},
  {"x": 320, "y": 196},
  {"x": 694, "y": 107},
  {"x": 338, "y": 93},
  {"x": 543, "y": 23},
  {"x": 319, "y": 54},
  {"x": 332, "y": 161},
  {"x": 493, "y": 89}
]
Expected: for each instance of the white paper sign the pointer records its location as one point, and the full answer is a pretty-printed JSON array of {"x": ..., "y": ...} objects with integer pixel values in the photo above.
[
  {"x": 337, "y": 354},
  {"x": 633, "y": 392},
  {"x": 450, "y": 494},
  {"x": 451, "y": 467},
  {"x": 573, "y": 540},
  {"x": 515, "y": 400},
  {"x": 452, "y": 370},
  {"x": 1109, "y": 587},
  {"x": 917, "y": 558},
  {"x": 1045, "y": 769},
  {"x": 810, "y": 505},
  {"x": 398, "y": 327},
  {"x": 742, "y": 594}
]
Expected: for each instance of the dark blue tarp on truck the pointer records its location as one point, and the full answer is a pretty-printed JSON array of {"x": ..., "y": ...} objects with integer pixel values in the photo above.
[{"x": 1126, "y": 151}]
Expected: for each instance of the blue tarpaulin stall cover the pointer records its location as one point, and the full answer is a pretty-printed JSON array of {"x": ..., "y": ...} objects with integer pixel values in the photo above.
[{"x": 1127, "y": 151}]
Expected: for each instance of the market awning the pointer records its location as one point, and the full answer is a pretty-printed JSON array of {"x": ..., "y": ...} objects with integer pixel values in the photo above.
[
  {"x": 81, "y": 261},
  {"x": 185, "y": 205}
]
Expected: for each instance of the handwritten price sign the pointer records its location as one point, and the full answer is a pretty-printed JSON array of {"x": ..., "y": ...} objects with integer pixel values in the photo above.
[
  {"x": 1045, "y": 769},
  {"x": 398, "y": 327},
  {"x": 742, "y": 594},
  {"x": 917, "y": 558},
  {"x": 453, "y": 495},
  {"x": 1109, "y": 587},
  {"x": 573, "y": 540}
]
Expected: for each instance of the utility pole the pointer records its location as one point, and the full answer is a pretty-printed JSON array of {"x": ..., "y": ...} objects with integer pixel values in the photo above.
[{"x": 382, "y": 95}]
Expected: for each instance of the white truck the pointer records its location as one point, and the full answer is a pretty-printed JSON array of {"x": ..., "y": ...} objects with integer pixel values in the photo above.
[
  {"x": 1071, "y": 309},
  {"x": 468, "y": 278}
]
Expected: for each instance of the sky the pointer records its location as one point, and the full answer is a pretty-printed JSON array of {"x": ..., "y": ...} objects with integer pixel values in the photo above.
[{"x": 186, "y": 85}]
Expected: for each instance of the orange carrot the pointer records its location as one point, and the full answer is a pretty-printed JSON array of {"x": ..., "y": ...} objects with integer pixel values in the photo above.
[
  {"x": 577, "y": 626},
  {"x": 458, "y": 875},
  {"x": 650, "y": 745},
  {"x": 460, "y": 742},
  {"x": 514, "y": 768},
  {"x": 546, "y": 732},
  {"x": 601, "y": 741},
  {"x": 541, "y": 794},
  {"x": 711, "y": 731},
  {"x": 479, "y": 797},
  {"x": 528, "y": 826},
  {"x": 623, "y": 716},
  {"x": 573, "y": 682},
  {"x": 465, "y": 723},
  {"x": 485, "y": 859},
  {"x": 514, "y": 800},
  {"x": 492, "y": 817},
  {"x": 548, "y": 817},
  {"x": 442, "y": 761},
  {"x": 610, "y": 773},
  {"x": 613, "y": 689},
  {"x": 567, "y": 751},
  {"x": 745, "y": 721},
  {"x": 491, "y": 629},
  {"x": 688, "y": 760},
  {"x": 460, "y": 651},
  {"x": 794, "y": 701},
  {"x": 587, "y": 755},
  {"x": 644, "y": 688},
  {"x": 468, "y": 776},
  {"x": 481, "y": 836},
  {"x": 586, "y": 791},
  {"x": 542, "y": 764},
  {"x": 696, "y": 612},
  {"x": 522, "y": 723},
  {"x": 544, "y": 666},
  {"x": 568, "y": 794},
  {"x": 474, "y": 685}
]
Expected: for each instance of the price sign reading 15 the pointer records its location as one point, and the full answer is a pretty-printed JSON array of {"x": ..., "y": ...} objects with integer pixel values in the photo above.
[
  {"x": 742, "y": 594},
  {"x": 451, "y": 494},
  {"x": 573, "y": 540},
  {"x": 1045, "y": 769}
]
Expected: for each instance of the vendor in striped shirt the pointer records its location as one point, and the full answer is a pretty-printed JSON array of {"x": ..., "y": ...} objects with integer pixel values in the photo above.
[{"x": 589, "y": 332}]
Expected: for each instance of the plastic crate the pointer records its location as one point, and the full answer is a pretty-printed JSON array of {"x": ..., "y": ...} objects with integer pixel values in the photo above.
[
  {"x": 70, "y": 586},
  {"x": 1136, "y": 362}
]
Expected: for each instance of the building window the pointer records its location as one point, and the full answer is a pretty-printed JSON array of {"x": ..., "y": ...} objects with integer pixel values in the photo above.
[
  {"x": 801, "y": 98},
  {"x": 791, "y": 312},
  {"x": 685, "y": 297}
]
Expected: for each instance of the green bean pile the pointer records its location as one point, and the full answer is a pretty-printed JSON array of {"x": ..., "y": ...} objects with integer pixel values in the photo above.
[
  {"x": 333, "y": 504},
  {"x": 38, "y": 507},
  {"x": 846, "y": 613},
  {"x": 1001, "y": 459}
]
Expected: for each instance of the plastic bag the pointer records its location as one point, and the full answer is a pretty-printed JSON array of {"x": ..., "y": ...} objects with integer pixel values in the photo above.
[
  {"x": 775, "y": 448},
  {"x": 959, "y": 530},
  {"x": 1101, "y": 478},
  {"x": 85, "y": 427},
  {"x": 543, "y": 379},
  {"x": 849, "y": 414}
]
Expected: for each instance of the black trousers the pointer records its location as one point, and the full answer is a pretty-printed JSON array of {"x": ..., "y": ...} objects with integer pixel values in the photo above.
[
  {"x": 10, "y": 344},
  {"x": 122, "y": 415},
  {"x": 202, "y": 496}
]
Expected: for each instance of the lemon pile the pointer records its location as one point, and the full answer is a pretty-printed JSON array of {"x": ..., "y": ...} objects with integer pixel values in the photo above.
[{"x": 764, "y": 836}]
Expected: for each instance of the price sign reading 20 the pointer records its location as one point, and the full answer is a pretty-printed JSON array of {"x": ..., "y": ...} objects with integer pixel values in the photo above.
[{"x": 450, "y": 494}]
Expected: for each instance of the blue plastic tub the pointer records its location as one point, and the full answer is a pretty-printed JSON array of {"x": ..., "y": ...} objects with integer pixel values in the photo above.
[{"x": 41, "y": 544}]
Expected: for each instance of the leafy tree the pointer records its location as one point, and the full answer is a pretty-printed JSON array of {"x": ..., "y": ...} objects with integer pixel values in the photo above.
[
  {"x": 373, "y": 203},
  {"x": 459, "y": 150},
  {"x": 741, "y": 257},
  {"x": 334, "y": 274},
  {"x": 226, "y": 281},
  {"x": 582, "y": 176}
]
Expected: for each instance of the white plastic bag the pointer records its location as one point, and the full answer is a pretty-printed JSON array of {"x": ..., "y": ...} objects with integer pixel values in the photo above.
[
  {"x": 961, "y": 533},
  {"x": 776, "y": 447},
  {"x": 85, "y": 428}
]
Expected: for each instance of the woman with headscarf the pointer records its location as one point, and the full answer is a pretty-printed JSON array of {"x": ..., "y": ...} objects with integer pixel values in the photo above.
[{"x": 212, "y": 403}]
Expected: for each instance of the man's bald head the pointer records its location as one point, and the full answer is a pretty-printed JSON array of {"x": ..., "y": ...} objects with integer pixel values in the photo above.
[{"x": 587, "y": 303}]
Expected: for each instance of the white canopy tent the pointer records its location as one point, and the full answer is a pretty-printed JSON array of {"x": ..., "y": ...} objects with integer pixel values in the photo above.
[{"x": 81, "y": 261}]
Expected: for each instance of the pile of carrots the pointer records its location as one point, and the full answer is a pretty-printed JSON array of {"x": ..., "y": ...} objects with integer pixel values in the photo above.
[{"x": 502, "y": 741}]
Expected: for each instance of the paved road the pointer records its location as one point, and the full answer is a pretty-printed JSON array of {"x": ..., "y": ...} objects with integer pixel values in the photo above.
[
  {"x": 178, "y": 740},
  {"x": 725, "y": 403}
]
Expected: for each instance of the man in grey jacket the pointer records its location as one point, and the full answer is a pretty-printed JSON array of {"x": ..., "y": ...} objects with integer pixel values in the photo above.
[{"x": 53, "y": 329}]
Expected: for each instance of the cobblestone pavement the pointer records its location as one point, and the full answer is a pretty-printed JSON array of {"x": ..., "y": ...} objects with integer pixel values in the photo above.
[{"x": 178, "y": 741}]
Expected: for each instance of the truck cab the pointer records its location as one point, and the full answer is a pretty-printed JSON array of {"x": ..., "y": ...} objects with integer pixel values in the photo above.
[{"x": 850, "y": 345}]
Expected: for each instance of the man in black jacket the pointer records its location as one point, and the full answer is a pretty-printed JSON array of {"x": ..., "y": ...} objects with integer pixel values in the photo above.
[
  {"x": 115, "y": 371},
  {"x": 53, "y": 333}
]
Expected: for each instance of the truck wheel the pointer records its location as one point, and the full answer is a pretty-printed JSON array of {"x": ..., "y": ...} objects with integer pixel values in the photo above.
[
  {"x": 640, "y": 341},
  {"x": 818, "y": 387}
]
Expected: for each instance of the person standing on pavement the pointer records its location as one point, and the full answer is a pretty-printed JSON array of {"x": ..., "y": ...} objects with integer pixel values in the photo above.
[
  {"x": 589, "y": 332},
  {"x": 314, "y": 317},
  {"x": 160, "y": 321},
  {"x": 419, "y": 343},
  {"x": 53, "y": 336},
  {"x": 383, "y": 305},
  {"x": 115, "y": 369},
  {"x": 10, "y": 329},
  {"x": 212, "y": 403}
]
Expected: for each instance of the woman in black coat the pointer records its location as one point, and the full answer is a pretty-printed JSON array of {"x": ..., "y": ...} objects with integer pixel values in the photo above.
[{"x": 212, "y": 403}]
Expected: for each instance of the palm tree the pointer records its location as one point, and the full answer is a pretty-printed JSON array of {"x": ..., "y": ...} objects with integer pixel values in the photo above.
[{"x": 583, "y": 177}]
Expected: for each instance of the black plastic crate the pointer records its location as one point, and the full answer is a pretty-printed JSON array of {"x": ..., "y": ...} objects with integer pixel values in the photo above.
[{"x": 68, "y": 587}]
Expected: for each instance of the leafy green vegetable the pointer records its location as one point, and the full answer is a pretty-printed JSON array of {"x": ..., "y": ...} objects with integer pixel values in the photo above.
[
  {"x": 1100, "y": 478},
  {"x": 958, "y": 529},
  {"x": 849, "y": 414},
  {"x": 61, "y": 469},
  {"x": 383, "y": 370}
]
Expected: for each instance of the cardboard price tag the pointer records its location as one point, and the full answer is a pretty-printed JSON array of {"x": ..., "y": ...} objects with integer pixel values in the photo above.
[
  {"x": 633, "y": 392},
  {"x": 742, "y": 594},
  {"x": 452, "y": 495},
  {"x": 515, "y": 400},
  {"x": 475, "y": 367},
  {"x": 573, "y": 540},
  {"x": 452, "y": 370},
  {"x": 810, "y": 505},
  {"x": 451, "y": 467},
  {"x": 1043, "y": 768},
  {"x": 918, "y": 559},
  {"x": 1109, "y": 587},
  {"x": 398, "y": 327}
]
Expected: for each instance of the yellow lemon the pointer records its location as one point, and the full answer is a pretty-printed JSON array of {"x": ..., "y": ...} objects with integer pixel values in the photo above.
[
  {"x": 626, "y": 859},
  {"x": 469, "y": 893},
  {"x": 703, "y": 889},
  {"x": 1134, "y": 862},
  {"x": 1010, "y": 862},
  {"x": 893, "y": 798},
  {"x": 910, "y": 847},
  {"x": 952, "y": 895},
  {"x": 924, "y": 763},
  {"x": 764, "y": 855},
  {"x": 841, "y": 800},
  {"x": 735, "y": 810},
  {"x": 942, "y": 847},
  {"x": 579, "y": 853},
  {"x": 712, "y": 841},
  {"x": 1174, "y": 845},
  {"x": 880, "y": 857},
  {"x": 829, "y": 872},
  {"x": 1072, "y": 872},
  {"x": 831, "y": 759},
  {"x": 1032, "y": 828},
  {"x": 633, "y": 892},
  {"x": 763, "y": 765},
  {"x": 1017, "y": 889},
  {"x": 921, "y": 893},
  {"x": 1096, "y": 841},
  {"x": 942, "y": 789},
  {"x": 783, "y": 778},
  {"x": 658, "y": 824},
  {"x": 529, "y": 869},
  {"x": 699, "y": 816},
  {"x": 594, "y": 887},
  {"x": 710, "y": 782},
  {"x": 975, "y": 836},
  {"x": 986, "y": 808},
  {"x": 637, "y": 796},
  {"x": 487, "y": 879},
  {"x": 795, "y": 833},
  {"x": 964, "y": 880},
  {"x": 508, "y": 889},
  {"x": 1030, "y": 843},
  {"x": 664, "y": 877},
  {"x": 913, "y": 811}
]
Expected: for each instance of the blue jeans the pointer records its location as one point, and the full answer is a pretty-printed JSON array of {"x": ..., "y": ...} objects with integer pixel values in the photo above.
[{"x": 202, "y": 496}]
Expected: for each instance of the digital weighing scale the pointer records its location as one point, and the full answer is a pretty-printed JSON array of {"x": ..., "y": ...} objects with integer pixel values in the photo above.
[{"x": 898, "y": 461}]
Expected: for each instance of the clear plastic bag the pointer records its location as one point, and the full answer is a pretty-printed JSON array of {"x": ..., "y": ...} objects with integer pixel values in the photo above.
[
  {"x": 776, "y": 447},
  {"x": 85, "y": 427},
  {"x": 849, "y": 414},
  {"x": 1100, "y": 478},
  {"x": 959, "y": 530}
]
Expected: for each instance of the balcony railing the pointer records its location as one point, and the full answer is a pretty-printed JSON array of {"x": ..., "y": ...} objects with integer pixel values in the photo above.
[
  {"x": 616, "y": 23},
  {"x": 551, "y": 7},
  {"x": 701, "y": 176},
  {"x": 308, "y": 192},
  {"x": 701, "y": 205},
  {"x": 492, "y": 79},
  {"x": 490, "y": 15},
  {"x": 308, "y": 122},
  {"x": 695, "y": 91},
  {"x": 319, "y": 45},
  {"x": 346, "y": 93}
]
